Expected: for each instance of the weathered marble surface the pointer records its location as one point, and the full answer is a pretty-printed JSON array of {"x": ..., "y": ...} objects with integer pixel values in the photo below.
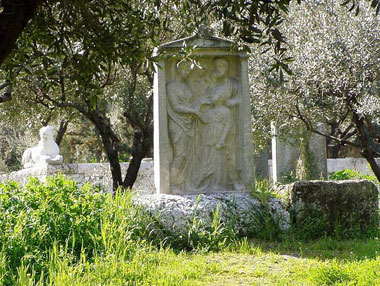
[
  {"x": 346, "y": 204},
  {"x": 98, "y": 174},
  {"x": 203, "y": 129},
  {"x": 46, "y": 152},
  {"x": 176, "y": 212},
  {"x": 203, "y": 140}
]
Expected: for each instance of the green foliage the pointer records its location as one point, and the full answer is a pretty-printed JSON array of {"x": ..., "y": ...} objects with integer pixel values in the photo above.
[
  {"x": 57, "y": 224},
  {"x": 317, "y": 225},
  {"x": 13, "y": 141},
  {"x": 38, "y": 216},
  {"x": 344, "y": 175},
  {"x": 124, "y": 157},
  {"x": 220, "y": 235},
  {"x": 333, "y": 274},
  {"x": 73, "y": 58},
  {"x": 352, "y": 273},
  {"x": 311, "y": 227},
  {"x": 288, "y": 178},
  {"x": 334, "y": 76},
  {"x": 349, "y": 174},
  {"x": 263, "y": 191},
  {"x": 58, "y": 234},
  {"x": 264, "y": 225}
]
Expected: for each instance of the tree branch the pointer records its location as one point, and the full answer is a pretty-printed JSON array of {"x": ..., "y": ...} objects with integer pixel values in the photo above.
[{"x": 311, "y": 129}]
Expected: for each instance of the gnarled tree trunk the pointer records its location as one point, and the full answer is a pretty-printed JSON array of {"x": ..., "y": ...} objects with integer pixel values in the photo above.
[
  {"x": 61, "y": 131},
  {"x": 142, "y": 144},
  {"x": 110, "y": 143},
  {"x": 366, "y": 149}
]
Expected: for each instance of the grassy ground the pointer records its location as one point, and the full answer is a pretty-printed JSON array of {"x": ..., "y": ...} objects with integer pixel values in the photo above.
[
  {"x": 323, "y": 262},
  {"x": 57, "y": 234}
]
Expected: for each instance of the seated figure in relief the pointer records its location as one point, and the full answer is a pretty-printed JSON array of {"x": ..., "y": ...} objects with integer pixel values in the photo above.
[{"x": 46, "y": 152}]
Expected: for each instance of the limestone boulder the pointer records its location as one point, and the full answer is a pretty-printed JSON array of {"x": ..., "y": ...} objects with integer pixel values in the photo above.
[
  {"x": 175, "y": 213},
  {"x": 350, "y": 204}
]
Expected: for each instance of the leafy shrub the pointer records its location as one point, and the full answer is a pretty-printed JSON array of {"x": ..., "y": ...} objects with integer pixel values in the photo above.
[
  {"x": 40, "y": 215},
  {"x": 344, "y": 175},
  {"x": 288, "y": 178},
  {"x": 34, "y": 217},
  {"x": 312, "y": 227},
  {"x": 349, "y": 174},
  {"x": 263, "y": 191}
]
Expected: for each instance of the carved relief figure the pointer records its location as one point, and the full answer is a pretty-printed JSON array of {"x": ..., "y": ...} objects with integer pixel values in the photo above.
[
  {"x": 46, "y": 152},
  {"x": 219, "y": 137},
  {"x": 183, "y": 127},
  {"x": 203, "y": 128}
]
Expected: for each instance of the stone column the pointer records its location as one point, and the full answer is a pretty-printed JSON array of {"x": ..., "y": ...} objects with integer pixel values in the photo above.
[{"x": 307, "y": 160}]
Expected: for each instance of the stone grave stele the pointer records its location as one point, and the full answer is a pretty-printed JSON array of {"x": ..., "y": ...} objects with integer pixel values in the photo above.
[{"x": 202, "y": 124}]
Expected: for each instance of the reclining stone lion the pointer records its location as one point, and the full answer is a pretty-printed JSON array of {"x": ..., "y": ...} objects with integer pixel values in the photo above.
[{"x": 46, "y": 152}]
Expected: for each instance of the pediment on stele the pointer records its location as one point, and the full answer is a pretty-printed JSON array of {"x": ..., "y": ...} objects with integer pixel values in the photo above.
[{"x": 200, "y": 42}]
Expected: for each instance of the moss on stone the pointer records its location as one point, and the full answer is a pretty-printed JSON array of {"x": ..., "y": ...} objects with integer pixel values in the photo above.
[{"x": 345, "y": 205}]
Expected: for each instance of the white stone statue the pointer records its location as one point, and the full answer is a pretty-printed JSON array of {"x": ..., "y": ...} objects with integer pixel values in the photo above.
[{"x": 46, "y": 152}]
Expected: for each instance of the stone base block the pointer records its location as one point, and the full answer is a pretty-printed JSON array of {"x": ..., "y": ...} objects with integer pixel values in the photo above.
[
  {"x": 175, "y": 213},
  {"x": 346, "y": 205}
]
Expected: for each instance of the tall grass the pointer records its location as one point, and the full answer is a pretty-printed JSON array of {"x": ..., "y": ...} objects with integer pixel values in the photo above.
[
  {"x": 55, "y": 231},
  {"x": 43, "y": 217}
]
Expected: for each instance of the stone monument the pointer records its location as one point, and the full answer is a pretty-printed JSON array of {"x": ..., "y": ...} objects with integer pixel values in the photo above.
[
  {"x": 284, "y": 157},
  {"x": 318, "y": 148},
  {"x": 46, "y": 152},
  {"x": 291, "y": 156},
  {"x": 202, "y": 132}
]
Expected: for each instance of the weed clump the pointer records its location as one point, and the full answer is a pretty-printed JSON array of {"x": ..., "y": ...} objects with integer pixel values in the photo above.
[{"x": 58, "y": 213}]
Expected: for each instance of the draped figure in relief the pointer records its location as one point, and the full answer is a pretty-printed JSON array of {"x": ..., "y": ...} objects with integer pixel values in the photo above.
[
  {"x": 219, "y": 135},
  {"x": 183, "y": 127}
]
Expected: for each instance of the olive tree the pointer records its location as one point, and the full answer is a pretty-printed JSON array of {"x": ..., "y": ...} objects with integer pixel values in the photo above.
[
  {"x": 96, "y": 67},
  {"x": 333, "y": 76},
  {"x": 249, "y": 21}
]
